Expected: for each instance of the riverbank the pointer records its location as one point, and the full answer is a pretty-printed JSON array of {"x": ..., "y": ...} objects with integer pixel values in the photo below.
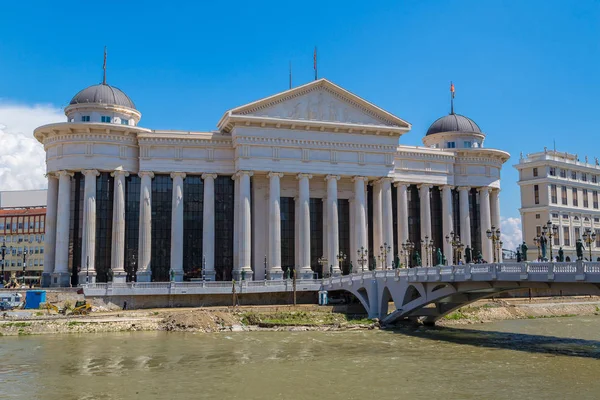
[{"x": 277, "y": 318}]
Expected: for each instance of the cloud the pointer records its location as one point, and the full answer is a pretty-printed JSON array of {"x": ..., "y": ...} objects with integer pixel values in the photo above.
[
  {"x": 22, "y": 157},
  {"x": 512, "y": 236}
]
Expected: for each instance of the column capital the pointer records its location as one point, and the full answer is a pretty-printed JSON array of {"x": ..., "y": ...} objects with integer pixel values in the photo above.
[
  {"x": 277, "y": 174},
  {"x": 446, "y": 187},
  {"x": 328, "y": 177},
  {"x": 360, "y": 178},
  {"x": 93, "y": 172},
  {"x": 178, "y": 174},
  {"x": 141, "y": 174},
  {"x": 484, "y": 189},
  {"x": 461, "y": 188},
  {"x": 301, "y": 176},
  {"x": 400, "y": 183},
  {"x": 385, "y": 179},
  {"x": 64, "y": 173},
  {"x": 424, "y": 186},
  {"x": 207, "y": 175},
  {"x": 240, "y": 173},
  {"x": 118, "y": 172}
]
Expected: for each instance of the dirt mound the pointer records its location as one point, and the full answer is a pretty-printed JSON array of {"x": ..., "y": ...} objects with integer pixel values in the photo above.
[{"x": 199, "y": 321}]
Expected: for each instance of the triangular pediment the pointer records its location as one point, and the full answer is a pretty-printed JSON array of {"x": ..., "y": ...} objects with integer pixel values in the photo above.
[{"x": 320, "y": 101}]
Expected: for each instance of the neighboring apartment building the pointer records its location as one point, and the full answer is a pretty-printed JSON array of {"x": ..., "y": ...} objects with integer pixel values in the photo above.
[{"x": 559, "y": 188}]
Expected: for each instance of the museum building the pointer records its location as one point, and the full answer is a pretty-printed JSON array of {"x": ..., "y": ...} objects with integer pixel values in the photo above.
[{"x": 311, "y": 179}]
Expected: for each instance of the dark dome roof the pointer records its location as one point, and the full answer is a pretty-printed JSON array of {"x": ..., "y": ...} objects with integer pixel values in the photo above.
[
  {"x": 103, "y": 94},
  {"x": 453, "y": 123}
]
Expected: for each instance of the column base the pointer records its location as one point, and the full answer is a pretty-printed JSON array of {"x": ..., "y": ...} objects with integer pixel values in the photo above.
[
  {"x": 210, "y": 276},
  {"x": 46, "y": 279},
  {"x": 276, "y": 275},
  {"x": 306, "y": 275},
  {"x": 143, "y": 276},
  {"x": 89, "y": 278},
  {"x": 61, "y": 279},
  {"x": 177, "y": 276},
  {"x": 247, "y": 275},
  {"x": 120, "y": 277}
]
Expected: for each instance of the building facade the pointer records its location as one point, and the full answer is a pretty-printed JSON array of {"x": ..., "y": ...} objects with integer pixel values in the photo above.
[
  {"x": 296, "y": 180},
  {"x": 559, "y": 189}
]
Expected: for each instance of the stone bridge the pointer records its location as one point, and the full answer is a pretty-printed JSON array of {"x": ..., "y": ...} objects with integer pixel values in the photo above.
[{"x": 432, "y": 292}]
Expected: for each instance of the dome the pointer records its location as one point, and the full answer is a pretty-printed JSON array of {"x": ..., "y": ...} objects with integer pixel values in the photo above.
[
  {"x": 453, "y": 123},
  {"x": 103, "y": 94}
]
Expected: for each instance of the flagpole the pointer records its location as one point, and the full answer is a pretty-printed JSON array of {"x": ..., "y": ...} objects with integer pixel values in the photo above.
[
  {"x": 290, "y": 74},
  {"x": 104, "y": 67},
  {"x": 315, "y": 63},
  {"x": 451, "y": 97}
]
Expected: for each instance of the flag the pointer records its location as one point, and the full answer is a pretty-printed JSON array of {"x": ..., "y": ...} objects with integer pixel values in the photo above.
[{"x": 452, "y": 89}]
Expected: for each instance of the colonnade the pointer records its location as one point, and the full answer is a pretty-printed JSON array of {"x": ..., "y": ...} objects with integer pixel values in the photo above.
[{"x": 56, "y": 252}]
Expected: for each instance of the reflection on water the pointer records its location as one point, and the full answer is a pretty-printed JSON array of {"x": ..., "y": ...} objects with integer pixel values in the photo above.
[{"x": 544, "y": 358}]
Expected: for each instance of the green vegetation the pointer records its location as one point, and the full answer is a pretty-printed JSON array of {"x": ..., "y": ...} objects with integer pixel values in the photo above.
[
  {"x": 302, "y": 318},
  {"x": 16, "y": 324},
  {"x": 23, "y": 333},
  {"x": 74, "y": 323},
  {"x": 551, "y": 316},
  {"x": 456, "y": 315}
]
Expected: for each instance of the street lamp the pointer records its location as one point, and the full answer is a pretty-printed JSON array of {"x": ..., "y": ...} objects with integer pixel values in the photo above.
[
  {"x": 323, "y": 261},
  {"x": 427, "y": 246},
  {"x": 407, "y": 248},
  {"x": 341, "y": 257},
  {"x": 363, "y": 257},
  {"x": 24, "y": 263},
  {"x": 266, "y": 276},
  {"x": 454, "y": 240},
  {"x": 552, "y": 231},
  {"x": 383, "y": 254},
  {"x": 589, "y": 237},
  {"x": 494, "y": 235}
]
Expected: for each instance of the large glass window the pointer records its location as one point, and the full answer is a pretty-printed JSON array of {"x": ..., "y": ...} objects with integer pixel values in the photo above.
[
  {"x": 316, "y": 234},
  {"x": 104, "y": 207},
  {"x": 475, "y": 224},
  {"x": 394, "y": 222},
  {"x": 75, "y": 226},
  {"x": 132, "y": 225},
  {"x": 370, "y": 226},
  {"x": 436, "y": 223},
  {"x": 563, "y": 193},
  {"x": 586, "y": 201},
  {"x": 536, "y": 194},
  {"x": 553, "y": 194},
  {"x": 193, "y": 203},
  {"x": 455, "y": 215},
  {"x": 162, "y": 192},
  {"x": 288, "y": 245},
  {"x": 414, "y": 221},
  {"x": 575, "y": 201},
  {"x": 595, "y": 199},
  {"x": 224, "y": 200},
  {"x": 344, "y": 233}
]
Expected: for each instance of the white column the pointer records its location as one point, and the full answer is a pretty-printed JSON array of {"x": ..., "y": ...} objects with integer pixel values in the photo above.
[
  {"x": 325, "y": 236},
  {"x": 275, "y": 270},
  {"x": 465, "y": 218},
  {"x": 495, "y": 210},
  {"x": 447, "y": 223},
  {"x": 304, "y": 225},
  {"x": 88, "y": 239},
  {"x": 245, "y": 233},
  {"x": 50, "y": 232},
  {"x": 144, "y": 272},
  {"x": 387, "y": 220},
  {"x": 177, "y": 227},
  {"x": 360, "y": 220},
  {"x": 377, "y": 222},
  {"x": 236, "y": 224},
  {"x": 297, "y": 255},
  {"x": 333, "y": 234},
  {"x": 117, "y": 253},
  {"x": 485, "y": 223},
  {"x": 61, "y": 276},
  {"x": 425, "y": 203},
  {"x": 402, "y": 206},
  {"x": 352, "y": 255},
  {"x": 208, "y": 226}
]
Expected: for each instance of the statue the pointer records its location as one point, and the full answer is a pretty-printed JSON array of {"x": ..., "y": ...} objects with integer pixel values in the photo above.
[
  {"x": 479, "y": 258},
  {"x": 373, "y": 263},
  {"x": 438, "y": 255},
  {"x": 109, "y": 275},
  {"x": 417, "y": 259},
  {"x": 172, "y": 274},
  {"x": 518, "y": 255},
  {"x": 397, "y": 262},
  {"x": 243, "y": 275},
  {"x": 543, "y": 242},
  {"x": 350, "y": 268},
  {"x": 287, "y": 273},
  {"x": 444, "y": 259},
  {"x": 468, "y": 255},
  {"x": 561, "y": 255},
  {"x": 524, "y": 251},
  {"x": 331, "y": 270},
  {"x": 579, "y": 249}
]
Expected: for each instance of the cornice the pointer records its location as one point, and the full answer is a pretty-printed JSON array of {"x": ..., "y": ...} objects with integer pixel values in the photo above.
[
  {"x": 303, "y": 143},
  {"x": 196, "y": 142}
]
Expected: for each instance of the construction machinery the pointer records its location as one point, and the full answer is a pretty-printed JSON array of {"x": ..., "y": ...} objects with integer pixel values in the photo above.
[{"x": 81, "y": 308}]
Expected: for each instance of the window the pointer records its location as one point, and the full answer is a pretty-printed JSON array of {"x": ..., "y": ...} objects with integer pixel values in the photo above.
[
  {"x": 552, "y": 171},
  {"x": 105, "y": 118},
  {"x": 573, "y": 174},
  {"x": 538, "y": 230},
  {"x": 586, "y": 203},
  {"x": 577, "y": 233},
  {"x": 597, "y": 237},
  {"x": 563, "y": 173},
  {"x": 576, "y": 218},
  {"x": 535, "y": 172},
  {"x": 554, "y": 215},
  {"x": 537, "y": 216},
  {"x": 563, "y": 193},
  {"x": 21, "y": 225},
  {"x": 596, "y": 219},
  {"x": 586, "y": 219},
  {"x": 85, "y": 118},
  {"x": 595, "y": 199},
  {"x": 594, "y": 179},
  {"x": 124, "y": 122},
  {"x": 575, "y": 202},
  {"x": 1, "y": 226},
  {"x": 451, "y": 145},
  {"x": 553, "y": 194},
  {"x": 584, "y": 177},
  {"x": 467, "y": 144},
  {"x": 536, "y": 194}
]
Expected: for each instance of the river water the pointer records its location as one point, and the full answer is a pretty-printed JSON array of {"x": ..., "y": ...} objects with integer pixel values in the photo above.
[{"x": 533, "y": 359}]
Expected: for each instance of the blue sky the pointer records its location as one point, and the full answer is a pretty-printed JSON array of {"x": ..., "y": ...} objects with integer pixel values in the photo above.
[{"x": 525, "y": 71}]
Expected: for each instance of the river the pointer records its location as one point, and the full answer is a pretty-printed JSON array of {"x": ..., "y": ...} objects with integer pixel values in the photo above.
[{"x": 533, "y": 359}]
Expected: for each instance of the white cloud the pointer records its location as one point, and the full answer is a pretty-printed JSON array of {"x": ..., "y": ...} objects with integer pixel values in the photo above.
[
  {"x": 512, "y": 236},
  {"x": 22, "y": 157}
]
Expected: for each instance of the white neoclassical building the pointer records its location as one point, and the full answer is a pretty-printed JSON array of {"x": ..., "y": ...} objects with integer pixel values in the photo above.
[{"x": 296, "y": 180}]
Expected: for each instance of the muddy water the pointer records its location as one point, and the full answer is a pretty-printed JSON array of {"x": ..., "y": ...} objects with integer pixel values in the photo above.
[{"x": 535, "y": 359}]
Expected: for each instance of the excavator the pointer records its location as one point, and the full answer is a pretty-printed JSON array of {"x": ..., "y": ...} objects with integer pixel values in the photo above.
[{"x": 81, "y": 308}]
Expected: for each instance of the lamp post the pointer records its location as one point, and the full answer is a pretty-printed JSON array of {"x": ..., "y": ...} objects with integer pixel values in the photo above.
[
  {"x": 323, "y": 261},
  {"x": 427, "y": 246},
  {"x": 3, "y": 256},
  {"x": 454, "y": 240},
  {"x": 266, "y": 271},
  {"x": 24, "y": 263},
  {"x": 550, "y": 230},
  {"x": 203, "y": 268},
  {"x": 494, "y": 235},
  {"x": 589, "y": 237},
  {"x": 341, "y": 257},
  {"x": 383, "y": 254},
  {"x": 407, "y": 248},
  {"x": 87, "y": 270},
  {"x": 363, "y": 257}
]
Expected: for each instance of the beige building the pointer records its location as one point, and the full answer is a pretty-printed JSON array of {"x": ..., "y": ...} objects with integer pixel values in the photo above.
[{"x": 559, "y": 188}]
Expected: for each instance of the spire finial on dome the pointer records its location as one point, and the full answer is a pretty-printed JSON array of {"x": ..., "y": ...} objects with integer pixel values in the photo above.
[
  {"x": 104, "y": 67},
  {"x": 451, "y": 98}
]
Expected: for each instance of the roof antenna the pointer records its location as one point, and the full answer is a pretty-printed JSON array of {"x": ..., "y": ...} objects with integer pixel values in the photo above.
[
  {"x": 290, "y": 74},
  {"x": 315, "y": 63},
  {"x": 104, "y": 67},
  {"x": 452, "y": 98}
]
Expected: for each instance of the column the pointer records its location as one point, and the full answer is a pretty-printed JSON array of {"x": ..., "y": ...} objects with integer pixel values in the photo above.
[
  {"x": 325, "y": 237},
  {"x": 50, "y": 233},
  {"x": 352, "y": 216},
  {"x": 144, "y": 272},
  {"x": 465, "y": 218},
  {"x": 387, "y": 227},
  {"x": 117, "y": 254},
  {"x": 425, "y": 202},
  {"x": 236, "y": 223},
  {"x": 304, "y": 270},
  {"x": 360, "y": 220},
  {"x": 333, "y": 235},
  {"x": 402, "y": 206},
  {"x": 177, "y": 227},
  {"x": 485, "y": 223},
  {"x": 208, "y": 227},
  {"x": 447, "y": 225},
  {"x": 495, "y": 211},
  {"x": 88, "y": 240},
  {"x": 377, "y": 229},
  {"x": 61, "y": 276},
  {"x": 274, "y": 246},
  {"x": 245, "y": 232}
]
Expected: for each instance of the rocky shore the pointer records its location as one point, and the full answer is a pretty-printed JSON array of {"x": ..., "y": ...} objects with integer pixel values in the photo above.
[{"x": 282, "y": 318}]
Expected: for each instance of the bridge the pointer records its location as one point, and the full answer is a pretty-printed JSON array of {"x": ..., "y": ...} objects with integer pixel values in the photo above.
[{"x": 430, "y": 293}]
